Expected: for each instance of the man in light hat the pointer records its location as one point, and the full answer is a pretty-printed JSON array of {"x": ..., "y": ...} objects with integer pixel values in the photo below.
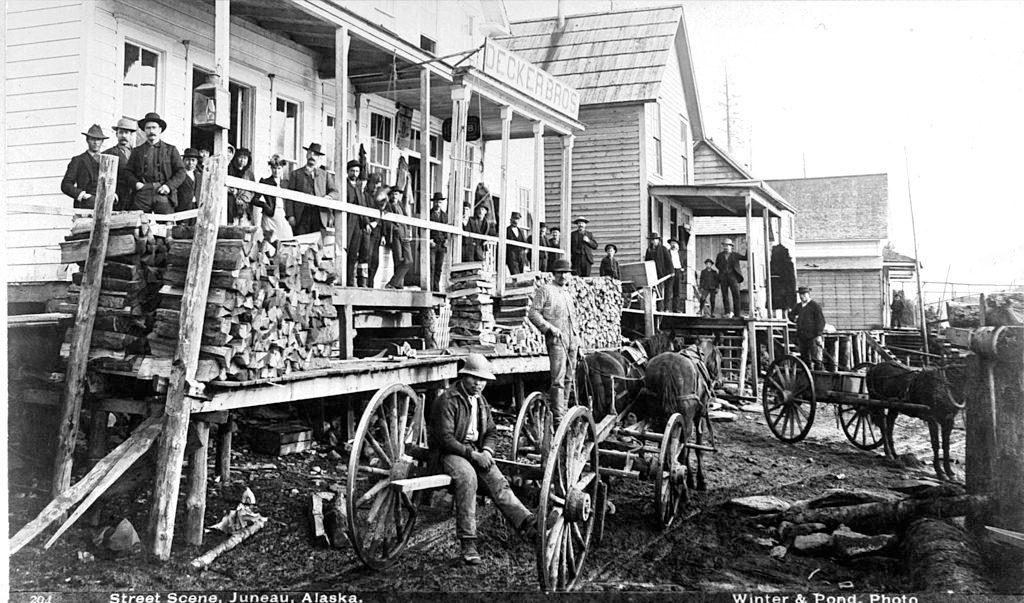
[
  {"x": 355, "y": 224},
  {"x": 155, "y": 170},
  {"x": 810, "y": 326},
  {"x": 83, "y": 173},
  {"x": 729, "y": 277},
  {"x": 582, "y": 246},
  {"x": 438, "y": 241},
  {"x": 311, "y": 179},
  {"x": 658, "y": 253},
  {"x": 125, "y": 131},
  {"x": 462, "y": 439},
  {"x": 515, "y": 257},
  {"x": 554, "y": 314}
]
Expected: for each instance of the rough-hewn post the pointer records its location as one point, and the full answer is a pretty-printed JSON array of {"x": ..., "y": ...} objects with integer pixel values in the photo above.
[
  {"x": 85, "y": 318},
  {"x": 502, "y": 216},
  {"x": 341, "y": 250},
  {"x": 460, "y": 104},
  {"x": 426, "y": 182},
  {"x": 195, "y": 498}
]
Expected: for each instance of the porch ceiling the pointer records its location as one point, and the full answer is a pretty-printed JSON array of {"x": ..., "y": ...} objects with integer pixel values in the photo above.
[{"x": 717, "y": 200}]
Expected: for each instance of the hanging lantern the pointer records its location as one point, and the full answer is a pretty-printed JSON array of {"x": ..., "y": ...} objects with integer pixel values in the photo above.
[{"x": 206, "y": 98}]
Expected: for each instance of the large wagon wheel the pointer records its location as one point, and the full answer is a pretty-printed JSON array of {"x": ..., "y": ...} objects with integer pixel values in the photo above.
[
  {"x": 670, "y": 472},
  {"x": 391, "y": 430},
  {"x": 568, "y": 501},
  {"x": 788, "y": 399},
  {"x": 857, "y": 422},
  {"x": 528, "y": 434}
]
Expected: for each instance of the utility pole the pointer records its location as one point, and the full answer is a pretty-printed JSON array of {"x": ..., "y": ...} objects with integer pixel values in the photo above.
[{"x": 917, "y": 258}]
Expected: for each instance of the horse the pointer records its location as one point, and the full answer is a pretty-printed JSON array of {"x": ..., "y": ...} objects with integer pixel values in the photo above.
[
  {"x": 606, "y": 379},
  {"x": 929, "y": 387},
  {"x": 682, "y": 382}
]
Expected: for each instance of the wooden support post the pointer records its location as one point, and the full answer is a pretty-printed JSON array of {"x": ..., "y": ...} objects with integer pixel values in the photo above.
[
  {"x": 460, "y": 105},
  {"x": 848, "y": 362},
  {"x": 85, "y": 318},
  {"x": 567, "y": 144},
  {"x": 835, "y": 351},
  {"x": 426, "y": 182},
  {"x": 225, "y": 433},
  {"x": 979, "y": 425},
  {"x": 341, "y": 250},
  {"x": 753, "y": 357},
  {"x": 538, "y": 194},
  {"x": 195, "y": 498},
  {"x": 648, "y": 299},
  {"x": 222, "y": 65},
  {"x": 347, "y": 331},
  {"x": 766, "y": 221},
  {"x": 751, "y": 284},
  {"x": 501, "y": 217},
  {"x": 98, "y": 435},
  {"x": 171, "y": 452},
  {"x": 1008, "y": 471}
]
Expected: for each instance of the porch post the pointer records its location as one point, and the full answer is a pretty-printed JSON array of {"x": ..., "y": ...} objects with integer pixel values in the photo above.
[
  {"x": 751, "y": 285},
  {"x": 341, "y": 249},
  {"x": 506, "y": 133},
  {"x": 567, "y": 144},
  {"x": 766, "y": 222},
  {"x": 460, "y": 105},
  {"x": 222, "y": 62},
  {"x": 426, "y": 184},
  {"x": 538, "y": 188}
]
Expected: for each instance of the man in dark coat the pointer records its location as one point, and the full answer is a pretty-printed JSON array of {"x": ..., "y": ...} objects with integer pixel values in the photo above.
[
  {"x": 479, "y": 225},
  {"x": 662, "y": 259},
  {"x": 311, "y": 179},
  {"x": 369, "y": 255},
  {"x": 610, "y": 265},
  {"x": 542, "y": 260},
  {"x": 399, "y": 238},
  {"x": 438, "y": 241},
  {"x": 730, "y": 276},
  {"x": 783, "y": 274},
  {"x": 515, "y": 257},
  {"x": 155, "y": 170},
  {"x": 355, "y": 224},
  {"x": 582, "y": 246},
  {"x": 125, "y": 131},
  {"x": 810, "y": 325},
  {"x": 83, "y": 173},
  {"x": 191, "y": 186},
  {"x": 708, "y": 284}
]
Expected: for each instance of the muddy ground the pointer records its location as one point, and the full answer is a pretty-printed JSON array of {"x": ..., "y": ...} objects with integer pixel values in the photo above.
[{"x": 710, "y": 549}]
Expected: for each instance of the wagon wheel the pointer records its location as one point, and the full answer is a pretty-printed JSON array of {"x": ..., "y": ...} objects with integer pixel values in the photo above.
[
  {"x": 381, "y": 519},
  {"x": 527, "y": 437},
  {"x": 568, "y": 501},
  {"x": 788, "y": 399},
  {"x": 856, "y": 421},
  {"x": 670, "y": 473}
]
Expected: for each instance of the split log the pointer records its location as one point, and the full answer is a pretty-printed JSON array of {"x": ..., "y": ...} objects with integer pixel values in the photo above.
[
  {"x": 204, "y": 561},
  {"x": 873, "y": 517}
]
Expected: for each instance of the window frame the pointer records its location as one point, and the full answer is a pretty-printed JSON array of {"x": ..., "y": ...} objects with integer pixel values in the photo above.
[
  {"x": 296, "y": 157},
  {"x": 656, "y": 135},
  {"x": 160, "y": 79},
  {"x": 384, "y": 169}
]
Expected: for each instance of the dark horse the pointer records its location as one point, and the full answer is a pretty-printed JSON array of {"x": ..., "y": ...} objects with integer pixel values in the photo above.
[
  {"x": 606, "y": 381},
  {"x": 682, "y": 382},
  {"x": 928, "y": 387}
]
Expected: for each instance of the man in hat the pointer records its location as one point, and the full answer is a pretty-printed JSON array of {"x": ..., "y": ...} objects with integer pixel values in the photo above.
[
  {"x": 83, "y": 173},
  {"x": 438, "y": 241},
  {"x": 190, "y": 189},
  {"x": 810, "y": 325},
  {"x": 515, "y": 257},
  {"x": 582, "y": 246},
  {"x": 155, "y": 170},
  {"x": 708, "y": 284},
  {"x": 554, "y": 314},
  {"x": 463, "y": 439},
  {"x": 372, "y": 237},
  {"x": 355, "y": 224},
  {"x": 478, "y": 224},
  {"x": 399, "y": 238},
  {"x": 729, "y": 277},
  {"x": 610, "y": 265},
  {"x": 125, "y": 131},
  {"x": 311, "y": 179},
  {"x": 658, "y": 253},
  {"x": 542, "y": 260},
  {"x": 677, "y": 284}
]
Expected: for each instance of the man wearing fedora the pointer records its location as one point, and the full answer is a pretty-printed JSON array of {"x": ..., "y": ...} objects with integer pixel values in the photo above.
[
  {"x": 355, "y": 224},
  {"x": 399, "y": 239},
  {"x": 438, "y": 241},
  {"x": 659, "y": 254},
  {"x": 708, "y": 284},
  {"x": 515, "y": 257},
  {"x": 610, "y": 265},
  {"x": 582, "y": 246},
  {"x": 554, "y": 314},
  {"x": 125, "y": 131},
  {"x": 810, "y": 325},
  {"x": 155, "y": 170},
  {"x": 311, "y": 179},
  {"x": 191, "y": 186},
  {"x": 729, "y": 277},
  {"x": 473, "y": 249},
  {"x": 83, "y": 173}
]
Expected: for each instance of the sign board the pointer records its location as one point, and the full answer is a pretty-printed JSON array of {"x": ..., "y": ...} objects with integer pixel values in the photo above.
[
  {"x": 529, "y": 79},
  {"x": 472, "y": 129}
]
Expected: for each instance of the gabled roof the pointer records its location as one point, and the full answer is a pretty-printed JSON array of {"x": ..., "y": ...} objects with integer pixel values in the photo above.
[
  {"x": 612, "y": 57},
  {"x": 712, "y": 163},
  {"x": 891, "y": 256},
  {"x": 838, "y": 207}
]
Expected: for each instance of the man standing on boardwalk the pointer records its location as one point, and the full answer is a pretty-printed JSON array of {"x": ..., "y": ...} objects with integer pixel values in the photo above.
[
  {"x": 554, "y": 314},
  {"x": 515, "y": 257},
  {"x": 155, "y": 169},
  {"x": 708, "y": 287},
  {"x": 658, "y": 253},
  {"x": 355, "y": 228},
  {"x": 438, "y": 241},
  {"x": 311, "y": 179},
  {"x": 729, "y": 276},
  {"x": 582, "y": 246},
  {"x": 83, "y": 173},
  {"x": 125, "y": 131}
]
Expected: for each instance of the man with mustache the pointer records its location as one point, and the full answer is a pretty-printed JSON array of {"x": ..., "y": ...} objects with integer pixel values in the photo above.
[{"x": 311, "y": 179}]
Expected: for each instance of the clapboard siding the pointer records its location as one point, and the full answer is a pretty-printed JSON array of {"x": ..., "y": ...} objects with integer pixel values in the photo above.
[
  {"x": 672, "y": 102},
  {"x": 850, "y": 299},
  {"x": 605, "y": 177},
  {"x": 709, "y": 166}
]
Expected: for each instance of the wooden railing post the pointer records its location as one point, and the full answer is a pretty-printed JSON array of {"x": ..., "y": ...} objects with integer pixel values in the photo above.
[
  {"x": 171, "y": 452},
  {"x": 74, "y": 380}
]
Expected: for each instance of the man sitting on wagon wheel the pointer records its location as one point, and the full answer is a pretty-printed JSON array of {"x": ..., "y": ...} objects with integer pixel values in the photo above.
[
  {"x": 462, "y": 435},
  {"x": 810, "y": 324}
]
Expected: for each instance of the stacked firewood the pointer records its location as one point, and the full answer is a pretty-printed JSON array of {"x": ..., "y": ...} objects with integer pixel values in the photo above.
[
  {"x": 516, "y": 334},
  {"x": 268, "y": 311},
  {"x": 129, "y": 291},
  {"x": 472, "y": 313}
]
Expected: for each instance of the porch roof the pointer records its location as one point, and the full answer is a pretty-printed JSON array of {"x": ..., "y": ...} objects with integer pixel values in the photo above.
[{"x": 725, "y": 198}]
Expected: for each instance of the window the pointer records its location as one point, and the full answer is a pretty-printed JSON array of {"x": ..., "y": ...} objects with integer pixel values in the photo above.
[
  {"x": 380, "y": 146},
  {"x": 468, "y": 188},
  {"x": 656, "y": 133},
  {"x": 141, "y": 70},
  {"x": 524, "y": 206},
  {"x": 428, "y": 44},
  {"x": 435, "y": 147},
  {"x": 684, "y": 138},
  {"x": 331, "y": 159},
  {"x": 285, "y": 128}
]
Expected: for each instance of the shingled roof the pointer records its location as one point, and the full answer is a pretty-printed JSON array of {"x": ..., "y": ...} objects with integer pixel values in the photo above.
[
  {"x": 838, "y": 207},
  {"x": 611, "y": 57}
]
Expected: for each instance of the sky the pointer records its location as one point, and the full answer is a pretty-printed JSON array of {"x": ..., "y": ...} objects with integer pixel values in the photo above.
[{"x": 843, "y": 88}]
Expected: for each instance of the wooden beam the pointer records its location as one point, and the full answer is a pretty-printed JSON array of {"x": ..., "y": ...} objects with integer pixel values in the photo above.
[
  {"x": 567, "y": 144},
  {"x": 385, "y": 298},
  {"x": 501, "y": 217},
  {"x": 426, "y": 182},
  {"x": 171, "y": 452},
  {"x": 195, "y": 499},
  {"x": 460, "y": 104},
  {"x": 766, "y": 222},
  {"x": 751, "y": 283},
  {"x": 341, "y": 250},
  {"x": 222, "y": 70},
  {"x": 538, "y": 188},
  {"x": 85, "y": 318}
]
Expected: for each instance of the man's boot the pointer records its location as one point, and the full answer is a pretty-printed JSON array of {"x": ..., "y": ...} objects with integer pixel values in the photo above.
[
  {"x": 469, "y": 552},
  {"x": 528, "y": 529}
]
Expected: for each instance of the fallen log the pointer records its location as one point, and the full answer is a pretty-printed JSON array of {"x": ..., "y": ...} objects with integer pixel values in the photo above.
[
  {"x": 941, "y": 558},
  {"x": 881, "y": 516},
  {"x": 204, "y": 561}
]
